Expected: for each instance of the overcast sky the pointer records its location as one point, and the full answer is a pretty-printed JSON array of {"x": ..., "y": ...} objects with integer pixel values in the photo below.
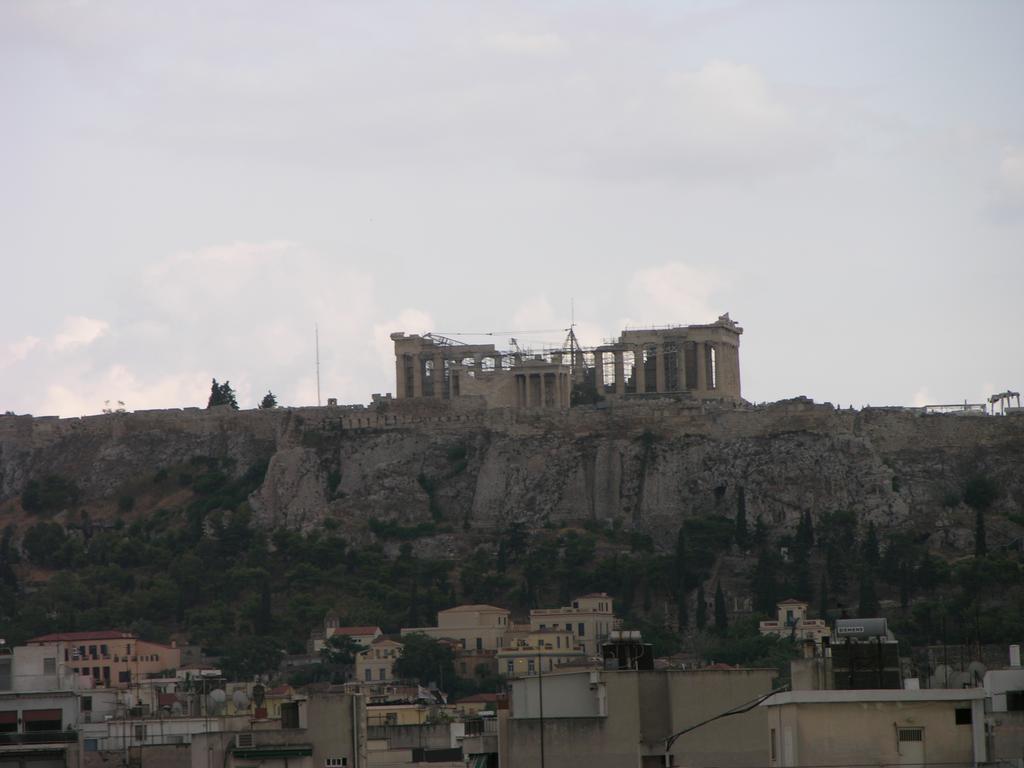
[{"x": 187, "y": 188}]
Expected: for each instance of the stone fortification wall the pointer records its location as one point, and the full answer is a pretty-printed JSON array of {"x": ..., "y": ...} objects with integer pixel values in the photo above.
[{"x": 643, "y": 464}]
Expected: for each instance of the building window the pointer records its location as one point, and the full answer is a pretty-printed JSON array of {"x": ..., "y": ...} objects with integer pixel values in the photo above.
[
  {"x": 511, "y": 666},
  {"x": 1015, "y": 701},
  {"x": 581, "y": 633},
  {"x": 89, "y": 745},
  {"x": 383, "y": 673},
  {"x": 479, "y": 643},
  {"x": 963, "y": 716},
  {"x": 336, "y": 762},
  {"x": 140, "y": 732},
  {"x": 86, "y": 703},
  {"x": 911, "y": 734},
  {"x": 773, "y": 745},
  {"x": 9, "y": 721},
  {"x": 530, "y": 666},
  {"x": 290, "y": 715},
  {"x": 92, "y": 651},
  {"x": 368, "y": 674},
  {"x": 104, "y": 650},
  {"x": 124, "y": 676},
  {"x": 50, "y": 666}
]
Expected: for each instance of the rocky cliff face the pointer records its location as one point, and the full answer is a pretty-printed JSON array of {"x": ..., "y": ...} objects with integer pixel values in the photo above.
[{"x": 645, "y": 465}]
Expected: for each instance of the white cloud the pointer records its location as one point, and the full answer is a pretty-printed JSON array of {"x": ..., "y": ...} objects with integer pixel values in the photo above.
[
  {"x": 528, "y": 44},
  {"x": 720, "y": 120},
  {"x": 672, "y": 293},
  {"x": 922, "y": 397},
  {"x": 1011, "y": 170},
  {"x": 18, "y": 350},
  {"x": 79, "y": 331},
  {"x": 91, "y": 394}
]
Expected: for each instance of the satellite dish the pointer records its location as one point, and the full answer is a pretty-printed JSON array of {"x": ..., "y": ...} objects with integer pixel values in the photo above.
[
  {"x": 258, "y": 694},
  {"x": 977, "y": 672},
  {"x": 215, "y": 701},
  {"x": 240, "y": 699}
]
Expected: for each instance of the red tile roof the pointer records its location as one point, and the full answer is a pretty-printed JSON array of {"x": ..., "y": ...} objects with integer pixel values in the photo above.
[
  {"x": 476, "y": 607},
  {"x": 70, "y": 637},
  {"x": 355, "y": 630}
]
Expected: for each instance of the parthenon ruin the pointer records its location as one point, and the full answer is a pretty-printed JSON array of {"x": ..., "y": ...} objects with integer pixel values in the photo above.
[{"x": 697, "y": 361}]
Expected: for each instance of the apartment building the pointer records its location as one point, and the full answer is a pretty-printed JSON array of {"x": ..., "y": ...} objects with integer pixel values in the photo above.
[
  {"x": 589, "y": 620},
  {"x": 477, "y": 627},
  {"x": 876, "y": 727},
  {"x": 527, "y": 652},
  {"x": 111, "y": 658},
  {"x": 792, "y": 621},
  {"x": 376, "y": 664}
]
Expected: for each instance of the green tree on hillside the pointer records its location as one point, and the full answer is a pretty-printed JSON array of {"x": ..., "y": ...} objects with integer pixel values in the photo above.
[
  {"x": 51, "y": 494},
  {"x": 222, "y": 394},
  {"x": 268, "y": 401},
  {"x": 679, "y": 579},
  {"x": 339, "y": 650},
  {"x": 742, "y": 533},
  {"x": 426, "y": 660}
]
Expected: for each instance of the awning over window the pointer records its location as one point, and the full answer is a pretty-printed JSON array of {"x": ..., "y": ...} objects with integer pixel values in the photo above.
[
  {"x": 10, "y": 716},
  {"x": 35, "y": 715}
]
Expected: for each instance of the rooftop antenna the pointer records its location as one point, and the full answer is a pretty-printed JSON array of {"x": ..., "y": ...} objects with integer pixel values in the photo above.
[{"x": 316, "y": 335}]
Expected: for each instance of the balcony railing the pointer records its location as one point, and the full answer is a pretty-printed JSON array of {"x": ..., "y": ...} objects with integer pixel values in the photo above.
[{"x": 38, "y": 737}]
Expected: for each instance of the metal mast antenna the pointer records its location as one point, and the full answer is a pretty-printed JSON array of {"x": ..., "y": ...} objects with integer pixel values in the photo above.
[{"x": 316, "y": 336}]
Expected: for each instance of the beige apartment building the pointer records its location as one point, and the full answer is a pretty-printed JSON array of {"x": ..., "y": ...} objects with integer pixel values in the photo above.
[
  {"x": 111, "y": 658},
  {"x": 611, "y": 719},
  {"x": 876, "y": 727},
  {"x": 528, "y": 651},
  {"x": 477, "y": 627},
  {"x": 589, "y": 619},
  {"x": 791, "y": 621},
  {"x": 376, "y": 664}
]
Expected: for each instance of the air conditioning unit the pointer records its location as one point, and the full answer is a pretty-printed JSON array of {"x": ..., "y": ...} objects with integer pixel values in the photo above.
[{"x": 244, "y": 741}]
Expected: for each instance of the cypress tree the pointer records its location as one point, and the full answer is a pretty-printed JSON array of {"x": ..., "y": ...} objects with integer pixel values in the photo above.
[
  {"x": 764, "y": 584},
  {"x": 868, "y": 603},
  {"x": 721, "y": 616},
  {"x": 702, "y": 607},
  {"x": 823, "y": 597},
  {"x": 679, "y": 579},
  {"x": 869, "y": 547},
  {"x": 742, "y": 534},
  {"x": 980, "y": 544}
]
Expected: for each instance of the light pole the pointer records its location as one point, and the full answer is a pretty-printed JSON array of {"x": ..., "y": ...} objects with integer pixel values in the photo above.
[{"x": 540, "y": 696}]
